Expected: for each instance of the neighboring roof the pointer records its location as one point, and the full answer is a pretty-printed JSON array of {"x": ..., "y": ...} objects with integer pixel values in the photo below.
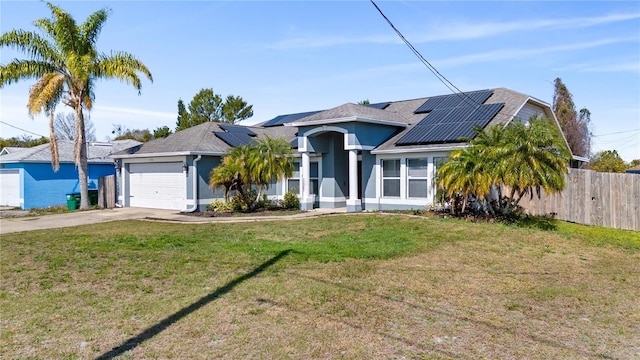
[
  {"x": 352, "y": 112},
  {"x": 284, "y": 119},
  {"x": 98, "y": 152},
  {"x": 200, "y": 139},
  {"x": 634, "y": 170},
  {"x": 10, "y": 149}
]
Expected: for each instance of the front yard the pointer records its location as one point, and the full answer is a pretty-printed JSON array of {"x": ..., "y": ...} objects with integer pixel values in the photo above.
[{"x": 349, "y": 286}]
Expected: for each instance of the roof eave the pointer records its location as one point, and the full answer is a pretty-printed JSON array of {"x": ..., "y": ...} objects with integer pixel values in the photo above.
[
  {"x": 348, "y": 119},
  {"x": 168, "y": 154},
  {"x": 444, "y": 147}
]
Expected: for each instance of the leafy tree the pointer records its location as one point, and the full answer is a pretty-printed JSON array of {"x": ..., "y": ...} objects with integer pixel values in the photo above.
[
  {"x": 526, "y": 158},
  {"x": 121, "y": 132},
  {"x": 65, "y": 127},
  {"x": 255, "y": 165},
  {"x": 607, "y": 161},
  {"x": 161, "y": 132},
  {"x": 235, "y": 109},
  {"x": 575, "y": 126},
  {"x": 206, "y": 105},
  {"x": 66, "y": 63},
  {"x": 22, "y": 141},
  {"x": 364, "y": 102},
  {"x": 634, "y": 162}
]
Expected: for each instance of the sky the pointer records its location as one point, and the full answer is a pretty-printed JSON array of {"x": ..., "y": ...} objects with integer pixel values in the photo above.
[{"x": 297, "y": 56}]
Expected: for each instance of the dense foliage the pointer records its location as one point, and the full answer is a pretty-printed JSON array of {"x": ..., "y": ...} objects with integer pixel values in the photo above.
[
  {"x": 608, "y": 161},
  {"x": 522, "y": 158},
  {"x": 575, "y": 126},
  {"x": 209, "y": 106},
  {"x": 252, "y": 167},
  {"x": 66, "y": 64}
]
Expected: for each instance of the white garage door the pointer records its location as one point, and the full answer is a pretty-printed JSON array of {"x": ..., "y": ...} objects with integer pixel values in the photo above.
[
  {"x": 10, "y": 187},
  {"x": 157, "y": 186}
]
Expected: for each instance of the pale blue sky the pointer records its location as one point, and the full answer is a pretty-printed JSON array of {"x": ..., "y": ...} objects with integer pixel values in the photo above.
[{"x": 287, "y": 57}]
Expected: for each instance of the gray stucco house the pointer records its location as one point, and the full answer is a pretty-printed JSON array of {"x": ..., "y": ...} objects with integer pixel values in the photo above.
[{"x": 362, "y": 157}]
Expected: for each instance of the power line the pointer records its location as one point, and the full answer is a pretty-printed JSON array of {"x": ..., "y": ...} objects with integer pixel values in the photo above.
[
  {"x": 614, "y": 133},
  {"x": 21, "y": 129},
  {"x": 454, "y": 89}
]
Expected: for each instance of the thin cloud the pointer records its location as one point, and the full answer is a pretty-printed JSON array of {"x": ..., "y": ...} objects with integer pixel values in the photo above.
[
  {"x": 630, "y": 66},
  {"x": 453, "y": 31},
  {"x": 509, "y": 54},
  {"x": 137, "y": 112}
]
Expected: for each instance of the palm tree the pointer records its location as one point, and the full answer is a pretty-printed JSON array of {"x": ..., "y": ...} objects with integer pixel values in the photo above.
[
  {"x": 537, "y": 159},
  {"x": 66, "y": 64},
  {"x": 272, "y": 160},
  {"x": 525, "y": 157},
  {"x": 226, "y": 176}
]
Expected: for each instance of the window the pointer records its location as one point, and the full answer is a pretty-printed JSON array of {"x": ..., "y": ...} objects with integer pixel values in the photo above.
[
  {"x": 293, "y": 183},
  {"x": 391, "y": 178},
  {"x": 417, "y": 178}
]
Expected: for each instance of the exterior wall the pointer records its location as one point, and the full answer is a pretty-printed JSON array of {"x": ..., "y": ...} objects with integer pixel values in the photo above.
[
  {"x": 334, "y": 185},
  {"x": 368, "y": 179},
  {"x": 529, "y": 110},
  {"x": 44, "y": 188},
  {"x": 377, "y": 201},
  {"x": 205, "y": 193}
]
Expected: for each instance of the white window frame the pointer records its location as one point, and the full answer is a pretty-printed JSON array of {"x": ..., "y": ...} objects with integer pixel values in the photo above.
[
  {"x": 399, "y": 178},
  {"x": 425, "y": 177}
]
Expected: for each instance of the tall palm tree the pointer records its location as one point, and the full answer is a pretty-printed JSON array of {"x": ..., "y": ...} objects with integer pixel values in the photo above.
[
  {"x": 66, "y": 63},
  {"x": 272, "y": 160}
]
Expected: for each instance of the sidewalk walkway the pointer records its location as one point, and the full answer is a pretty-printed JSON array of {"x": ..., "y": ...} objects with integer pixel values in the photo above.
[{"x": 28, "y": 223}]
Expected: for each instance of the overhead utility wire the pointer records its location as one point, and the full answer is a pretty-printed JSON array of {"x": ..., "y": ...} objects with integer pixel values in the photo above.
[
  {"x": 15, "y": 127},
  {"x": 454, "y": 89}
]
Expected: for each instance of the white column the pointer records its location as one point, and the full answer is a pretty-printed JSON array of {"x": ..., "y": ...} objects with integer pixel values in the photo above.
[
  {"x": 306, "y": 202},
  {"x": 353, "y": 204}
]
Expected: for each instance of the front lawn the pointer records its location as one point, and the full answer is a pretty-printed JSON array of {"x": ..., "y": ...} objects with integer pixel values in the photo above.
[{"x": 348, "y": 286}]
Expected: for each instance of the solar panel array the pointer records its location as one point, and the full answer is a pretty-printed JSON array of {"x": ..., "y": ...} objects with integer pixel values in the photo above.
[
  {"x": 237, "y": 129},
  {"x": 235, "y": 135},
  {"x": 284, "y": 119},
  {"x": 450, "y": 118},
  {"x": 454, "y": 100},
  {"x": 380, "y": 106}
]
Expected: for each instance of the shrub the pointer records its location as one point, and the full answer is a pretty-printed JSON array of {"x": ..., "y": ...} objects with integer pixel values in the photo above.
[
  {"x": 220, "y": 205},
  {"x": 291, "y": 200}
]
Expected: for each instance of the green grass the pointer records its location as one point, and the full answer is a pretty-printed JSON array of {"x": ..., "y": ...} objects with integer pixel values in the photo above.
[{"x": 357, "y": 286}]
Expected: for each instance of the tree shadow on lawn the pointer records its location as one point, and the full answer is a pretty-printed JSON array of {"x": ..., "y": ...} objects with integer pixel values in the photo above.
[{"x": 156, "y": 329}]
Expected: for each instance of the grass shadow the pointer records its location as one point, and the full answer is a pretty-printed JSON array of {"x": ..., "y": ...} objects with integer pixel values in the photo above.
[{"x": 156, "y": 329}]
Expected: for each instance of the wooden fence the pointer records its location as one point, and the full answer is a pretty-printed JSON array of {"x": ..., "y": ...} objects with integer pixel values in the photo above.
[
  {"x": 107, "y": 191},
  {"x": 593, "y": 198}
]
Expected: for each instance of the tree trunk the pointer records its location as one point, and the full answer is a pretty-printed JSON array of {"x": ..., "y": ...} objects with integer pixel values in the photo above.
[{"x": 81, "y": 157}]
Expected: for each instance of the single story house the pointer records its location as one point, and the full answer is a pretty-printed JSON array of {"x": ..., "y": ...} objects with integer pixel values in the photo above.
[
  {"x": 27, "y": 178},
  {"x": 363, "y": 157}
]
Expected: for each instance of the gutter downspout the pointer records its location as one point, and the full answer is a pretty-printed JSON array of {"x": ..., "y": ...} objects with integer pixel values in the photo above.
[{"x": 195, "y": 186}]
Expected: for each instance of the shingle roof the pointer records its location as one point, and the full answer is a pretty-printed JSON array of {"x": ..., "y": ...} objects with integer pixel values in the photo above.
[
  {"x": 201, "y": 139},
  {"x": 96, "y": 152},
  {"x": 351, "y": 111}
]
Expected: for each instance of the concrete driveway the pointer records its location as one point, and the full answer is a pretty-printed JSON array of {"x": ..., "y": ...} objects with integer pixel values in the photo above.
[{"x": 28, "y": 223}]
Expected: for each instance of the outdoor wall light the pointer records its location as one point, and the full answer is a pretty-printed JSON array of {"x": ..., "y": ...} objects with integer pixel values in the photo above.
[{"x": 185, "y": 168}]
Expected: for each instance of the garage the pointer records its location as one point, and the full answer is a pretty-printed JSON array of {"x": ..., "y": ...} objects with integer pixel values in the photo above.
[
  {"x": 10, "y": 187},
  {"x": 157, "y": 185}
]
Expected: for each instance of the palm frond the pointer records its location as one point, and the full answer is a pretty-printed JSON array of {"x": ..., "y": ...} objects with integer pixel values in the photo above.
[
  {"x": 30, "y": 43},
  {"x": 65, "y": 32},
  {"x": 123, "y": 66},
  {"x": 44, "y": 94},
  {"x": 92, "y": 26},
  {"x": 24, "y": 69}
]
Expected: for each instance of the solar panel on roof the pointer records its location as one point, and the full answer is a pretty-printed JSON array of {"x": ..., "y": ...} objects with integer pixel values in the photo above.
[
  {"x": 449, "y": 125},
  {"x": 380, "y": 106},
  {"x": 234, "y": 139},
  {"x": 285, "y": 119},
  {"x": 237, "y": 129},
  {"x": 454, "y": 100}
]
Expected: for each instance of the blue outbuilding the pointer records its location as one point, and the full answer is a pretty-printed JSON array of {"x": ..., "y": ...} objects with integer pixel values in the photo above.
[{"x": 28, "y": 180}]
